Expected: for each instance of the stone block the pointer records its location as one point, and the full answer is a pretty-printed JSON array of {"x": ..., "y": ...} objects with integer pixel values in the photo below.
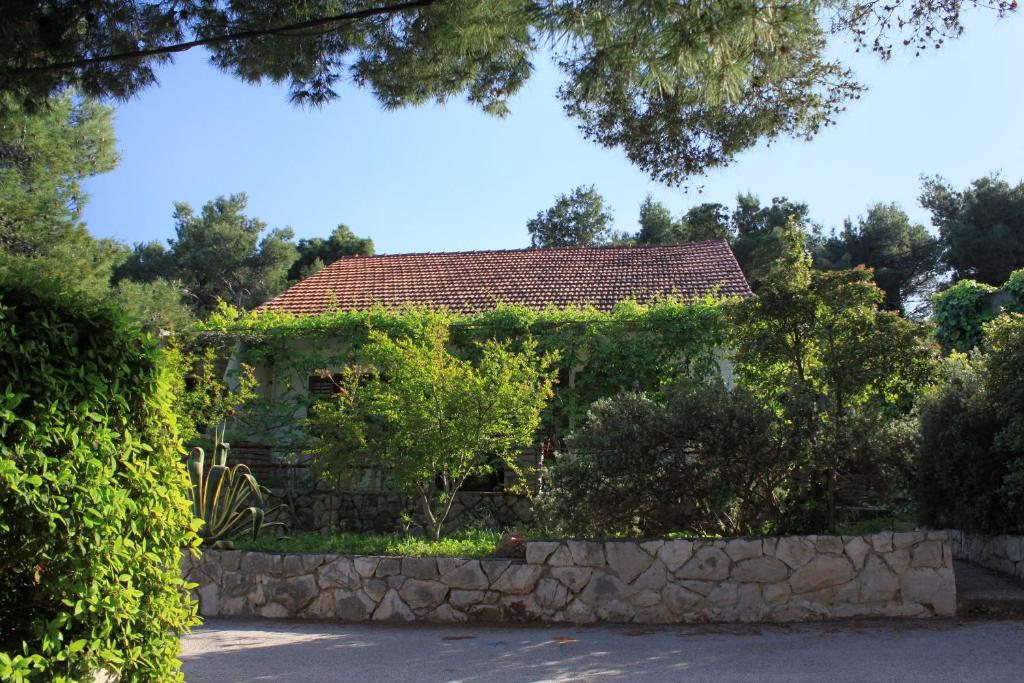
[
  {"x": 675, "y": 554},
  {"x": 578, "y": 612},
  {"x": 795, "y": 552},
  {"x": 878, "y": 582},
  {"x": 821, "y": 572},
  {"x": 230, "y": 560},
  {"x": 931, "y": 587},
  {"x": 518, "y": 579},
  {"x": 761, "y": 569},
  {"x": 652, "y": 547},
  {"x": 699, "y": 587},
  {"x": 898, "y": 560},
  {"x": 739, "y": 549},
  {"x": 469, "y": 576},
  {"x": 447, "y": 564},
  {"x": 551, "y": 595},
  {"x": 680, "y": 600},
  {"x": 463, "y": 600},
  {"x": 273, "y": 610},
  {"x": 537, "y": 552},
  {"x": 723, "y": 594},
  {"x": 291, "y": 565},
  {"x": 338, "y": 573},
  {"x": 654, "y": 579},
  {"x": 857, "y": 550},
  {"x": 366, "y": 566},
  {"x": 1015, "y": 548},
  {"x": 627, "y": 559},
  {"x": 829, "y": 544},
  {"x": 776, "y": 593},
  {"x": 494, "y": 568},
  {"x": 352, "y": 605},
  {"x": 926, "y": 554},
  {"x": 575, "y": 578},
  {"x": 586, "y": 553},
  {"x": 420, "y": 568},
  {"x": 519, "y": 608},
  {"x": 615, "y": 611},
  {"x": 209, "y": 600},
  {"x": 391, "y": 608},
  {"x": 423, "y": 594},
  {"x": 882, "y": 542},
  {"x": 389, "y": 566},
  {"x": 264, "y": 564},
  {"x": 707, "y": 564},
  {"x": 906, "y": 539},
  {"x": 295, "y": 592},
  {"x": 322, "y": 606},
  {"x": 604, "y": 587},
  {"x": 750, "y": 605},
  {"x": 311, "y": 561}
]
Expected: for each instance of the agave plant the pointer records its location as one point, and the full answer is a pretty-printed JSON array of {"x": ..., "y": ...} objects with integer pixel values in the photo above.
[{"x": 227, "y": 499}]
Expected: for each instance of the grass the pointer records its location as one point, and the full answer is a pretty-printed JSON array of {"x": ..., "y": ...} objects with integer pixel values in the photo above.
[{"x": 461, "y": 544}]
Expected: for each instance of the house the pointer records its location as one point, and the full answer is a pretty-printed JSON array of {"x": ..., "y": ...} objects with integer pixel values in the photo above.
[
  {"x": 473, "y": 281},
  {"x": 469, "y": 282}
]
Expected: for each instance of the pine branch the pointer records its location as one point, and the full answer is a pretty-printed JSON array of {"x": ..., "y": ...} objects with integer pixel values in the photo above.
[{"x": 283, "y": 31}]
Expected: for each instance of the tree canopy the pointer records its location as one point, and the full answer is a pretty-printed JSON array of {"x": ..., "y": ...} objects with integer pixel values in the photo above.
[
  {"x": 903, "y": 255},
  {"x": 577, "y": 219},
  {"x": 982, "y": 226},
  {"x": 680, "y": 87},
  {"x": 316, "y": 253}
]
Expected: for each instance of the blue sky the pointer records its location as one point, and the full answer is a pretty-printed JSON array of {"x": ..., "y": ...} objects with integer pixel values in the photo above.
[{"x": 449, "y": 177}]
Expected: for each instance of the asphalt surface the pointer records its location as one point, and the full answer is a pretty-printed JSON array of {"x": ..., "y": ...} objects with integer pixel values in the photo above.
[{"x": 935, "y": 651}]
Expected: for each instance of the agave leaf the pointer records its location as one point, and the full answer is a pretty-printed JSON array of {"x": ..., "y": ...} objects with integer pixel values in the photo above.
[{"x": 195, "y": 473}]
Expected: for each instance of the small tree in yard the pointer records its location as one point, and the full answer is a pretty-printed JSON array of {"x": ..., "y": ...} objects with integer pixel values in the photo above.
[{"x": 430, "y": 420}]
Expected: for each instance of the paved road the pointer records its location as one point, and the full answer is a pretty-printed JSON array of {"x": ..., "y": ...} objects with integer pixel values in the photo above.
[{"x": 936, "y": 651}]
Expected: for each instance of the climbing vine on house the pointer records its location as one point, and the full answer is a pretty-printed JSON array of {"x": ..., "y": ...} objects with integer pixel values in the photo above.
[
  {"x": 962, "y": 310},
  {"x": 632, "y": 347}
]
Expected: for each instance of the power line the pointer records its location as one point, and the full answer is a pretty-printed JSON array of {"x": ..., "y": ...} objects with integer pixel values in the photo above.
[{"x": 281, "y": 31}]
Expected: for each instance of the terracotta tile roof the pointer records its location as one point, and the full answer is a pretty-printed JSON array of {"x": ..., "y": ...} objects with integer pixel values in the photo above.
[{"x": 472, "y": 281}]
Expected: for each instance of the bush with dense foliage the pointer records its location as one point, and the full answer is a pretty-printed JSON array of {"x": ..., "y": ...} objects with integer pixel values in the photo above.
[
  {"x": 705, "y": 459},
  {"x": 970, "y": 467},
  {"x": 93, "y": 506},
  {"x": 841, "y": 376},
  {"x": 428, "y": 420}
]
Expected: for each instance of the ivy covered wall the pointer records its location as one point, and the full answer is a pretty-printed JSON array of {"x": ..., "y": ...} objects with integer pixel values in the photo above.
[{"x": 634, "y": 346}]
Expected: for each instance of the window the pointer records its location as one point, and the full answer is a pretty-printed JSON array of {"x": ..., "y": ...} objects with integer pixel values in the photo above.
[{"x": 323, "y": 386}]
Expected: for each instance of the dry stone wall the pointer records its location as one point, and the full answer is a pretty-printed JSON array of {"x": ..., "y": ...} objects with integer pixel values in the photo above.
[
  {"x": 1002, "y": 553},
  {"x": 648, "y": 581}
]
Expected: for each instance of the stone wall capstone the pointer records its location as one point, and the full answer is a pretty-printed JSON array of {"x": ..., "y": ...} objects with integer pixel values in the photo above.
[
  {"x": 1002, "y": 553},
  {"x": 795, "y": 578}
]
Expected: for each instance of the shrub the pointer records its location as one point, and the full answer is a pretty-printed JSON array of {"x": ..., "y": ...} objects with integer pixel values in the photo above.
[
  {"x": 958, "y": 474},
  {"x": 707, "y": 460},
  {"x": 816, "y": 350},
  {"x": 970, "y": 467},
  {"x": 428, "y": 420},
  {"x": 93, "y": 507}
]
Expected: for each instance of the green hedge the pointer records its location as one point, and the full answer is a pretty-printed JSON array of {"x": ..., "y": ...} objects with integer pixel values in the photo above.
[{"x": 93, "y": 507}]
